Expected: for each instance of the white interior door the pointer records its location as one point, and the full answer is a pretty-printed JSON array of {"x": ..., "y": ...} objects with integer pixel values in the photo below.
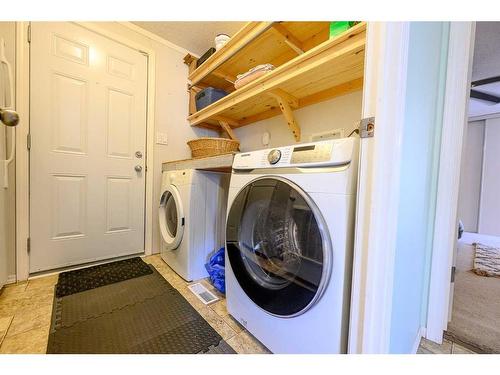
[{"x": 88, "y": 134}]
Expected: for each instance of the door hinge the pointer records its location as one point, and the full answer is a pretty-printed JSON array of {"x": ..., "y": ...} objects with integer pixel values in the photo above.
[
  {"x": 367, "y": 127},
  {"x": 453, "y": 270},
  {"x": 28, "y": 244},
  {"x": 28, "y": 141},
  {"x": 29, "y": 33}
]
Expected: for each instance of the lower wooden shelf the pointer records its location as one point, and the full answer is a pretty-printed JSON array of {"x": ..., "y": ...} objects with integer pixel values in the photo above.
[{"x": 217, "y": 163}]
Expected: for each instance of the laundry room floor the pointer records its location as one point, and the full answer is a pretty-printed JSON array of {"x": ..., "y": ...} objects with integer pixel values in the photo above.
[{"x": 26, "y": 308}]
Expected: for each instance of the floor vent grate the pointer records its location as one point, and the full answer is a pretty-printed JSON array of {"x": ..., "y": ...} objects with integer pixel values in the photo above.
[{"x": 203, "y": 294}]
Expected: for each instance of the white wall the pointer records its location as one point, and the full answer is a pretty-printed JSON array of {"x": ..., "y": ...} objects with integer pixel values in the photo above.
[
  {"x": 470, "y": 176},
  {"x": 7, "y": 212},
  {"x": 489, "y": 212},
  {"x": 341, "y": 112}
]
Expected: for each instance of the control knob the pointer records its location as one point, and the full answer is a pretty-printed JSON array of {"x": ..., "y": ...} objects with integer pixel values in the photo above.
[{"x": 274, "y": 156}]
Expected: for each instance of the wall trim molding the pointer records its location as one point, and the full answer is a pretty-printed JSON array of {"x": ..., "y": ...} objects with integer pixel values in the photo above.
[
  {"x": 458, "y": 76},
  {"x": 378, "y": 188},
  {"x": 22, "y": 155},
  {"x": 418, "y": 338}
]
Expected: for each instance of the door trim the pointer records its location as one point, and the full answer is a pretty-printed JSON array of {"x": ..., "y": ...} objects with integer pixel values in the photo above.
[
  {"x": 384, "y": 97},
  {"x": 458, "y": 77},
  {"x": 22, "y": 154}
]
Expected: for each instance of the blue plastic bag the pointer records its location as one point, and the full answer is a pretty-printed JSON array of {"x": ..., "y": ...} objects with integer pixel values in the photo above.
[{"x": 216, "y": 270}]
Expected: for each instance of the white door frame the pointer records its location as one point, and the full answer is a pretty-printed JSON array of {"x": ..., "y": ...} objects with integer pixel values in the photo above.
[
  {"x": 384, "y": 96},
  {"x": 458, "y": 77},
  {"x": 22, "y": 154}
]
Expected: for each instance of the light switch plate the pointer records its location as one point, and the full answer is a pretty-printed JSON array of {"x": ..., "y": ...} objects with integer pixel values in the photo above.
[{"x": 161, "y": 138}]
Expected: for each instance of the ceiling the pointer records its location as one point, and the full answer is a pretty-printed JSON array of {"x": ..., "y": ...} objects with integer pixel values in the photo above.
[
  {"x": 196, "y": 37},
  {"x": 486, "y": 64}
]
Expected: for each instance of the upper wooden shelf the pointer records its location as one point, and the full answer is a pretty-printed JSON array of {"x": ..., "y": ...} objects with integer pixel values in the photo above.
[
  {"x": 332, "y": 68},
  {"x": 258, "y": 43}
]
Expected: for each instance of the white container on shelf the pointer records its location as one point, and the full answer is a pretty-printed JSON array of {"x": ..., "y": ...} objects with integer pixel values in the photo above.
[{"x": 220, "y": 40}]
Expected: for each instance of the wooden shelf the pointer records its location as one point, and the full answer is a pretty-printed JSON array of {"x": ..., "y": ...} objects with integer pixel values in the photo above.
[
  {"x": 218, "y": 163},
  {"x": 258, "y": 43},
  {"x": 332, "y": 68}
]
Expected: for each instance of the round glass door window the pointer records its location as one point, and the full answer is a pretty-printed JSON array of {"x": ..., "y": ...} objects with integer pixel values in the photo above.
[
  {"x": 278, "y": 246},
  {"x": 170, "y": 217},
  {"x": 171, "y": 214}
]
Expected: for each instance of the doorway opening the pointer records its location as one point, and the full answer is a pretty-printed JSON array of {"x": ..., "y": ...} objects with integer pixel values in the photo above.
[{"x": 474, "y": 312}]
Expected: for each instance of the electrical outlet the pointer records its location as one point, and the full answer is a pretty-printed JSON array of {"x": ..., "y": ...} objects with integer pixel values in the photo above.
[
  {"x": 161, "y": 138},
  {"x": 331, "y": 134}
]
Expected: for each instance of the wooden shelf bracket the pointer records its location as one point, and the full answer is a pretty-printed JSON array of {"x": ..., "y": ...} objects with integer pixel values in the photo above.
[
  {"x": 289, "y": 39},
  {"x": 286, "y": 103},
  {"x": 225, "y": 124}
]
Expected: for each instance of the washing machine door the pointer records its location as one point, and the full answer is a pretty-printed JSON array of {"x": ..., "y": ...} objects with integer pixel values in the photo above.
[
  {"x": 171, "y": 217},
  {"x": 278, "y": 246}
]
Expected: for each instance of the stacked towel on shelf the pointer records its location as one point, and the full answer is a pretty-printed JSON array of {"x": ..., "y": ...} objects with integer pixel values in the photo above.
[{"x": 252, "y": 74}]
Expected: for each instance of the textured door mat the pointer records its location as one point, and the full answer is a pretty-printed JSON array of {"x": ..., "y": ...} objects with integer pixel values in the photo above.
[
  {"x": 104, "y": 274},
  {"x": 141, "y": 315},
  {"x": 93, "y": 303}
]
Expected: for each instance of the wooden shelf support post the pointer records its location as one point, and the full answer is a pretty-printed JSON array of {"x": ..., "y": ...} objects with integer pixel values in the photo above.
[
  {"x": 190, "y": 61},
  {"x": 286, "y": 103}
]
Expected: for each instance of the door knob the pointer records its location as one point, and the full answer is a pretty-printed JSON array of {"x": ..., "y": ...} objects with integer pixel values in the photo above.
[
  {"x": 138, "y": 168},
  {"x": 138, "y": 154},
  {"x": 9, "y": 117}
]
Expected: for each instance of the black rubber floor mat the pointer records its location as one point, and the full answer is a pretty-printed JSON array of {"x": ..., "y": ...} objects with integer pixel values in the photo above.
[
  {"x": 222, "y": 348},
  {"x": 104, "y": 274},
  {"x": 157, "y": 321},
  {"x": 106, "y": 299}
]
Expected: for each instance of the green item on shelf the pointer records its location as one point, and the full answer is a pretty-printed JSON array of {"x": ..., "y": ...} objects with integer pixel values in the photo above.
[{"x": 338, "y": 27}]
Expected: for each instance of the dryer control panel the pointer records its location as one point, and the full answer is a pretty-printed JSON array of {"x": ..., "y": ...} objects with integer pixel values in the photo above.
[
  {"x": 325, "y": 153},
  {"x": 312, "y": 153}
]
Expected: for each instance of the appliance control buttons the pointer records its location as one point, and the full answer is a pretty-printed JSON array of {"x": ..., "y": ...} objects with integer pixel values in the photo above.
[{"x": 274, "y": 156}]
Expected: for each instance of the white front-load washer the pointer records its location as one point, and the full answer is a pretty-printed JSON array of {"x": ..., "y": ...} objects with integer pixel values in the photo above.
[
  {"x": 192, "y": 219},
  {"x": 289, "y": 244}
]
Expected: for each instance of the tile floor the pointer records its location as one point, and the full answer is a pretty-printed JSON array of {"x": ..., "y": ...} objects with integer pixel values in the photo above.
[
  {"x": 447, "y": 347},
  {"x": 25, "y": 313},
  {"x": 26, "y": 308}
]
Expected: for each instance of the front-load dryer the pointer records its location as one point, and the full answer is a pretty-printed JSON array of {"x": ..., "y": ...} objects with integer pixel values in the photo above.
[
  {"x": 192, "y": 219},
  {"x": 289, "y": 241}
]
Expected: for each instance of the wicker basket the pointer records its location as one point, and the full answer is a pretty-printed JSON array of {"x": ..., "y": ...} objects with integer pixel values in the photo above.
[{"x": 203, "y": 147}]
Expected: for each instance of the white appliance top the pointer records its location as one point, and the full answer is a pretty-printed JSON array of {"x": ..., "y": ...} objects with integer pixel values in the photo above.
[{"x": 328, "y": 153}]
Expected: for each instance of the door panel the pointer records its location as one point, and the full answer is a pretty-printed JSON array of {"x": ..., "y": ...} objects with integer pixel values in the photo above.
[
  {"x": 69, "y": 106},
  {"x": 88, "y": 119}
]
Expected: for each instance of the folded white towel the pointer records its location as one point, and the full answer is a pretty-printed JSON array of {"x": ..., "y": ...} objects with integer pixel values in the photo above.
[{"x": 258, "y": 68}]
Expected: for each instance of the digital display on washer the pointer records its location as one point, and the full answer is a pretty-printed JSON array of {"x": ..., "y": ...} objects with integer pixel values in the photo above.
[
  {"x": 311, "y": 153},
  {"x": 304, "y": 148}
]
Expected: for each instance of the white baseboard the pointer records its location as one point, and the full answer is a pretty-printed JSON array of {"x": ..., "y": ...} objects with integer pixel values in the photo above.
[
  {"x": 416, "y": 343},
  {"x": 11, "y": 279}
]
